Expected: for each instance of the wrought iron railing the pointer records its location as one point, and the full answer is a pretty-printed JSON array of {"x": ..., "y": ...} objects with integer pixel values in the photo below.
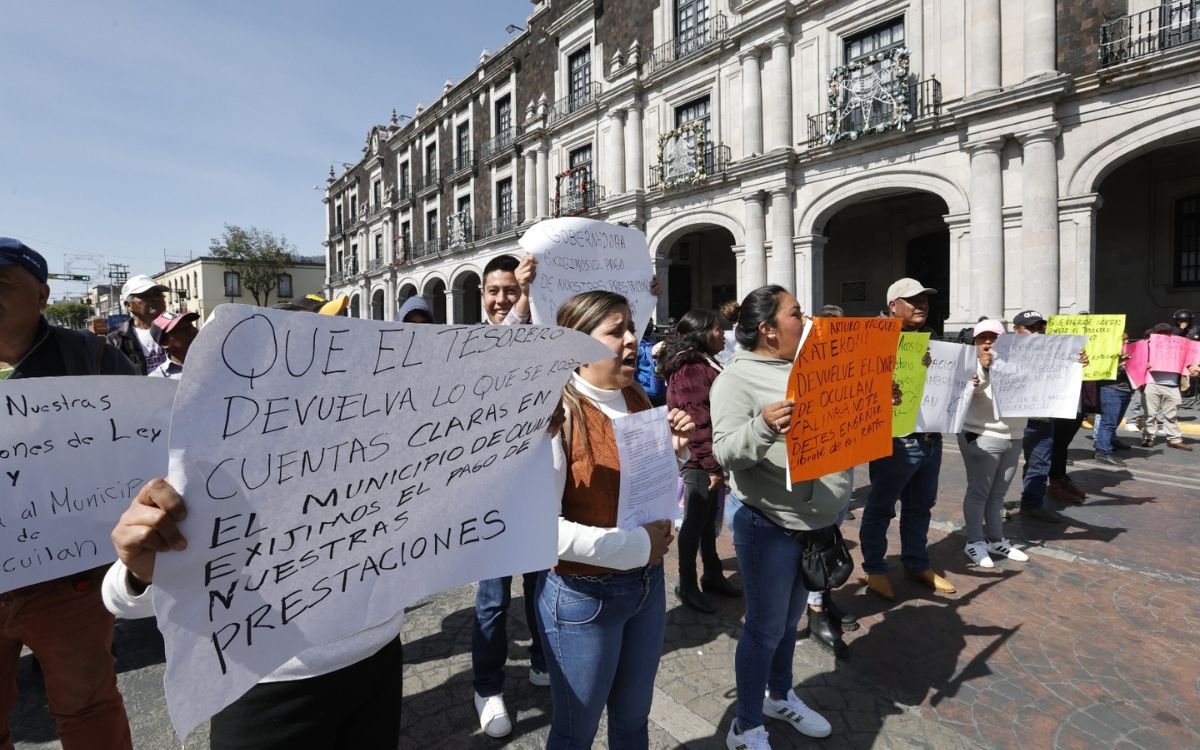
[
  {"x": 428, "y": 180},
  {"x": 335, "y": 278},
  {"x": 336, "y": 230},
  {"x": 1169, "y": 25},
  {"x": 703, "y": 36},
  {"x": 578, "y": 200},
  {"x": 497, "y": 145},
  {"x": 498, "y": 225},
  {"x": 428, "y": 248},
  {"x": 924, "y": 99},
  {"x": 716, "y": 160},
  {"x": 461, "y": 163},
  {"x": 573, "y": 102},
  {"x": 374, "y": 264},
  {"x": 376, "y": 210}
]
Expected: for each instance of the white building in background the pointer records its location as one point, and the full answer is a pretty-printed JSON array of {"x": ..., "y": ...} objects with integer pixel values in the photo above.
[
  {"x": 200, "y": 284},
  {"x": 1013, "y": 154}
]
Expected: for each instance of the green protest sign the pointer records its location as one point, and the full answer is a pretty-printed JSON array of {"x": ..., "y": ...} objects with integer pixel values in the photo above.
[
  {"x": 910, "y": 376},
  {"x": 1104, "y": 341}
]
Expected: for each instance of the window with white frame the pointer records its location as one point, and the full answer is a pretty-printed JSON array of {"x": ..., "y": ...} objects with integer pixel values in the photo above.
[
  {"x": 504, "y": 122},
  {"x": 690, "y": 16},
  {"x": 283, "y": 283},
  {"x": 233, "y": 284},
  {"x": 579, "y": 82},
  {"x": 697, "y": 110},
  {"x": 504, "y": 205}
]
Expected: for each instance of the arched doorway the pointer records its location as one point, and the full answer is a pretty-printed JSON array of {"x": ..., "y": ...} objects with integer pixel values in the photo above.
[
  {"x": 355, "y": 309},
  {"x": 377, "y": 305},
  {"x": 435, "y": 295},
  {"x": 873, "y": 242},
  {"x": 469, "y": 302},
  {"x": 406, "y": 291},
  {"x": 1147, "y": 260},
  {"x": 701, "y": 270}
]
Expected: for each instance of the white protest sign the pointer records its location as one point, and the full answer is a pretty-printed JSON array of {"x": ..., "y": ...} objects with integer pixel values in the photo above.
[
  {"x": 581, "y": 255},
  {"x": 948, "y": 387},
  {"x": 649, "y": 472},
  {"x": 336, "y": 470},
  {"x": 1037, "y": 375},
  {"x": 73, "y": 452}
]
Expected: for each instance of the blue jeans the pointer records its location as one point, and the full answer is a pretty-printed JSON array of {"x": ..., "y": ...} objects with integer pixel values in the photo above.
[
  {"x": 769, "y": 561},
  {"x": 910, "y": 474},
  {"x": 489, "y": 642},
  {"x": 1113, "y": 403},
  {"x": 604, "y": 638},
  {"x": 1038, "y": 447}
]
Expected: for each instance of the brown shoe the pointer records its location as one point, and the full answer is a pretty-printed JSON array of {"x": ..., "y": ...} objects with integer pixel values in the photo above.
[
  {"x": 1064, "y": 490},
  {"x": 1179, "y": 446},
  {"x": 932, "y": 580},
  {"x": 1147, "y": 442},
  {"x": 879, "y": 583}
]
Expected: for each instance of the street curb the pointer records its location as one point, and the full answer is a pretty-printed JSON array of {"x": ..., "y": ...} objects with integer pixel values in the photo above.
[{"x": 1188, "y": 429}]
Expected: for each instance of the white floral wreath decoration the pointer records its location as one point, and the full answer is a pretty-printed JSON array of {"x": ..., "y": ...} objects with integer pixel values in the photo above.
[
  {"x": 902, "y": 114},
  {"x": 697, "y": 127}
]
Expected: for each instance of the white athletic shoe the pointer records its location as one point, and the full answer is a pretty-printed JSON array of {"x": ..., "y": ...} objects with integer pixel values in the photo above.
[
  {"x": 978, "y": 552},
  {"x": 754, "y": 739},
  {"x": 539, "y": 677},
  {"x": 792, "y": 710},
  {"x": 1004, "y": 548},
  {"x": 493, "y": 715}
]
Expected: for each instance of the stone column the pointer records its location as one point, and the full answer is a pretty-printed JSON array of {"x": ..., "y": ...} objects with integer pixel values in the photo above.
[
  {"x": 390, "y": 308},
  {"x": 662, "y": 311},
  {"x": 1039, "y": 37},
  {"x": 777, "y": 93},
  {"x": 1039, "y": 221},
  {"x": 543, "y": 181},
  {"x": 752, "y": 107},
  {"x": 634, "y": 170},
  {"x": 987, "y": 230},
  {"x": 914, "y": 33},
  {"x": 755, "y": 270},
  {"x": 530, "y": 207},
  {"x": 984, "y": 46},
  {"x": 454, "y": 311},
  {"x": 810, "y": 272},
  {"x": 783, "y": 255},
  {"x": 1077, "y": 243},
  {"x": 614, "y": 169}
]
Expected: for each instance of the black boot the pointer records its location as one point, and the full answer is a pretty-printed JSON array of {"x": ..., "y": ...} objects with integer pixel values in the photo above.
[
  {"x": 821, "y": 630},
  {"x": 693, "y": 599},
  {"x": 843, "y": 621}
]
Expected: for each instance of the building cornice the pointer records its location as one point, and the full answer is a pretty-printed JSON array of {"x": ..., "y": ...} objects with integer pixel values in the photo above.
[
  {"x": 570, "y": 17},
  {"x": 1044, "y": 90}
]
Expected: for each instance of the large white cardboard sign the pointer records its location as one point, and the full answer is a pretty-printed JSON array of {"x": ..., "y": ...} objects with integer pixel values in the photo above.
[
  {"x": 336, "y": 470},
  {"x": 948, "y": 387},
  {"x": 73, "y": 452},
  {"x": 581, "y": 255},
  {"x": 1037, "y": 375}
]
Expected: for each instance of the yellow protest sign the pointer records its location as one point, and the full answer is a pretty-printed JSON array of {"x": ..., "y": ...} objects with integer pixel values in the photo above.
[{"x": 1104, "y": 334}]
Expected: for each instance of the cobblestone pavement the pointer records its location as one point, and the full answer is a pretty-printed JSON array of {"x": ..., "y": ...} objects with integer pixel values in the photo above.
[{"x": 1090, "y": 645}]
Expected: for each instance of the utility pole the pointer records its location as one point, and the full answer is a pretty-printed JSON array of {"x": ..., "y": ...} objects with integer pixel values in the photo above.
[{"x": 118, "y": 274}]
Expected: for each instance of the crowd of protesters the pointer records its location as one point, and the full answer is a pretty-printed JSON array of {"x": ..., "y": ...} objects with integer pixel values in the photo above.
[{"x": 598, "y": 616}]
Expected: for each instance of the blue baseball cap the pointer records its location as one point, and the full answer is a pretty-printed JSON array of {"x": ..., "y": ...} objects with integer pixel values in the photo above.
[{"x": 16, "y": 253}]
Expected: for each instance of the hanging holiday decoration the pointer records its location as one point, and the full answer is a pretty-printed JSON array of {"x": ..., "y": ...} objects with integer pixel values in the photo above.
[
  {"x": 681, "y": 155},
  {"x": 869, "y": 95}
]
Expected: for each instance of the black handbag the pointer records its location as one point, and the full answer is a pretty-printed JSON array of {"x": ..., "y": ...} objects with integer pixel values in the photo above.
[{"x": 826, "y": 563}]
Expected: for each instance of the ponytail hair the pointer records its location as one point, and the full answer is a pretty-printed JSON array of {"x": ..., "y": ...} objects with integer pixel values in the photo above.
[{"x": 759, "y": 306}]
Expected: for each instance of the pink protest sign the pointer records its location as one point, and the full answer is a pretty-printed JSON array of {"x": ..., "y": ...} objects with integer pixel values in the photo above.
[
  {"x": 1173, "y": 353},
  {"x": 1137, "y": 367}
]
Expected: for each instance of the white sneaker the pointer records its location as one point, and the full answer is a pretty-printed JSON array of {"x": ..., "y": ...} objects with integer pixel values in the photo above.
[
  {"x": 493, "y": 715},
  {"x": 1004, "y": 548},
  {"x": 754, "y": 739},
  {"x": 978, "y": 552},
  {"x": 539, "y": 677},
  {"x": 792, "y": 710}
]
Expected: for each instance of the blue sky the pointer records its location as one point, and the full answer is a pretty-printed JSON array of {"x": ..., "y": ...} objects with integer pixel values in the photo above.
[{"x": 134, "y": 128}]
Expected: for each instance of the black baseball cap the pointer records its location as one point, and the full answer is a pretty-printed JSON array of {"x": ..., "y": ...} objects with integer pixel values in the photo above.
[
  {"x": 1028, "y": 318},
  {"x": 13, "y": 252}
]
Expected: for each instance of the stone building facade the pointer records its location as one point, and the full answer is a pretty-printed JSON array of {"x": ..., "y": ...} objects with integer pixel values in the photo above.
[{"x": 1025, "y": 153}]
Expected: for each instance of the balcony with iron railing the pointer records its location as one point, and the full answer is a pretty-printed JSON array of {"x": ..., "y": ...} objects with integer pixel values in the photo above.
[
  {"x": 335, "y": 230},
  {"x": 496, "y": 146},
  {"x": 428, "y": 181},
  {"x": 579, "y": 199},
  {"x": 403, "y": 194},
  {"x": 924, "y": 100},
  {"x": 461, "y": 233},
  {"x": 460, "y": 165},
  {"x": 498, "y": 225},
  {"x": 574, "y": 102},
  {"x": 1170, "y": 25},
  {"x": 374, "y": 264},
  {"x": 428, "y": 249},
  {"x": 335, "y": 278},
  {"x": 705, "y": 35},
  {"x": 714, "y": 164},
  {"x": 401, "y": 251},
  {"x": 376, "y": 210}
]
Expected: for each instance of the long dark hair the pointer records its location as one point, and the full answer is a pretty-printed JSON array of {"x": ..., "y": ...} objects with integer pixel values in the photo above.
[
  {"x": 689, "y": 342},
  {"x": 759, "y": 306}
]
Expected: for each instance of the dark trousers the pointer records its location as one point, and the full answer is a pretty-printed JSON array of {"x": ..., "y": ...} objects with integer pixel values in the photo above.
[
  {"x": 1038, "y": 446},
  {"x": 699, "y": 529},
  {"x": 489, "y": 640},
  {"x": 355, "y": 708},
  {"x": 910, "y": 475},
  {"x": 1064, "y": 432}
]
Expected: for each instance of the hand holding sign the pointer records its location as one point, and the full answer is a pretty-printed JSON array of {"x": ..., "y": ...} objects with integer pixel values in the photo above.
[{"x": 1037, "y": 375}]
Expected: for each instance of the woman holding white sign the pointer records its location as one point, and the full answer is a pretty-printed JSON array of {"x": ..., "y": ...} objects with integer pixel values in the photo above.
[
  {"x": 603, "y": 607},
  {"x": 991, "y": 448},
  {"x": 750, "y": 424}
]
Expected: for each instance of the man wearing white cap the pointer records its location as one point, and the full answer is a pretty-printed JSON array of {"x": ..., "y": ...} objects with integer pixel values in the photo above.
[
  {"x": 909, "y": 475},
  {"x": 145, "y": 299}
]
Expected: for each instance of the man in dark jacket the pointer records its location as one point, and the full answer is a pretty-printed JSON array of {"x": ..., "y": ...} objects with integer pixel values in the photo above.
[
  {"x": 62, "y": 621},
  {"x": 145, "y": 300}
]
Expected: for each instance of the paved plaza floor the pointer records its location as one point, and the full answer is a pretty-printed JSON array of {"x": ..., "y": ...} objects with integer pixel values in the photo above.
[{"x": 1092, "y": 644}]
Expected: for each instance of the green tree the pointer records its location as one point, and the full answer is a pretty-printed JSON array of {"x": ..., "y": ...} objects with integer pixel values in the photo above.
[
  {"x": 68, "y": 314},
  {"x": 257, "y": 256}
]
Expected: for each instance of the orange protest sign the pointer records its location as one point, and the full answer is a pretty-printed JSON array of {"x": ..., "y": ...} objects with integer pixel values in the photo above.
[{"x": 841, "y": 383}]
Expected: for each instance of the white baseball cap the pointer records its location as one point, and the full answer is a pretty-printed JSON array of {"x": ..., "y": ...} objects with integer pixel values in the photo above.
[
  {"x": 905, "y": 288},
  {"x": 140, "y": 284}
]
